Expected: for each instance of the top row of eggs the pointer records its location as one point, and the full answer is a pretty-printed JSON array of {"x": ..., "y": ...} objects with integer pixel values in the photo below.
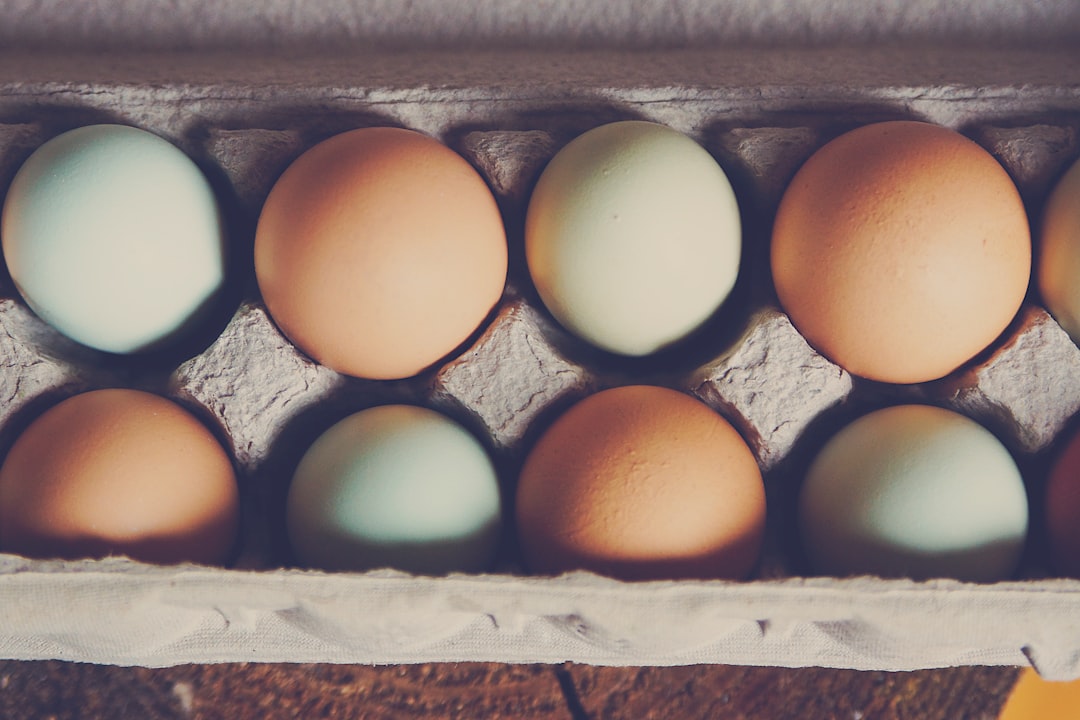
[{"x": 900, "y": 250}]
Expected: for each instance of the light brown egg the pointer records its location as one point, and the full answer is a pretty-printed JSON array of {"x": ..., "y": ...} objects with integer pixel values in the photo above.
[
  {"x": 641, "y": 482},
  {"x": 118, "y": 472},
  {"x": 379, "y": 251},
  {"x": 901, "y": 250}
]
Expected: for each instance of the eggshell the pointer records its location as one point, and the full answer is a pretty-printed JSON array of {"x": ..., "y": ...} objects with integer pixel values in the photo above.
[
  {"x": 914, "y": 491},
  {"x": 1062, "y": 509},
  {"x": 395, "y": 486},
  {"x": 118, "y": 472},
  {"x": 379, "y": 251},
  {"x": 641, "y": 482},
  {"x": 1059, "y": 259},
  {"x": 113, "y": 236},
  {"x": 900, "y": 250},
  {"x": 633, "y": 237}
]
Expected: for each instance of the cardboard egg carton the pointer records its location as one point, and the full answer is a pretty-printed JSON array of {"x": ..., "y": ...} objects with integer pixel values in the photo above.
[{"x": 761, "y": 114}]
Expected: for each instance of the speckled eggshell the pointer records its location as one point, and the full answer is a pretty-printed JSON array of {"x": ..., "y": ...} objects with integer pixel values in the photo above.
[
  {"x": 113, "y": 236},
  {"x": 395, "y": 486},
  {"x": 641, "y": 482},
  {"x": 119, "y": 472},
  {"x": 900, "y": 250},
  {"x": 1059, "y": 260},
  {"x": 379, "y": 251},
  {"x": 914, "y": 491},
  {"x": 633, "y": 237}
]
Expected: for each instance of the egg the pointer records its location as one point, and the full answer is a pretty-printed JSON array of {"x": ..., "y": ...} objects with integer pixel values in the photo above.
[
  {"x": 1062, "y": 509},
  {"x": 1059, "y": 260},
  {"x": 379, "y": 251},
  {"x": 914, "y": 491},
  {"x": 900, "y": 250},
  {"x": 641, "y": 482},
  {"x": 633, "y": 237},
  {"x": 395, "y": 486},
  {"x": 114, "y": 237},
  {"x": 119, "y": 472}
]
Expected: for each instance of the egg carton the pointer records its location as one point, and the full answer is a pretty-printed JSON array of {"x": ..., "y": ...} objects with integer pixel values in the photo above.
[{"x": 761, "y": 113}]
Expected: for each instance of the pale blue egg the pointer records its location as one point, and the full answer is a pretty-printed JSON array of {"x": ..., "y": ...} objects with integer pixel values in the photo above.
[
  {"x": 914, "y": 491},
  {"x": 114, "y": 237},
  {"x": 395, "y": 486}
]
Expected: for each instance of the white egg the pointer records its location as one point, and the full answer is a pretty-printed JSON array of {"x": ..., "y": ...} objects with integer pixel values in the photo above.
[
  {"x": 114, "y": 237},
  {"x": 633, "y": 237},
  {"x": 914, "y": 491},
  {"x": 1059, "y": 259}
]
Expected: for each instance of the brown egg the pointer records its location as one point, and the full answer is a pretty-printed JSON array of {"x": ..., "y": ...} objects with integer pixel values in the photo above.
[
  {"x": 901, "y": 250},
  {"x": 118, "y": 472},
  {"x": 1062, "y": 509},
  {"x": 379, "y": 251},
  {"x": 641, "y": 482}
]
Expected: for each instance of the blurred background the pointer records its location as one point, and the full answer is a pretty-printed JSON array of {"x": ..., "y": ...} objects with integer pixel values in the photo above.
[{"x": 295, "y": 24}]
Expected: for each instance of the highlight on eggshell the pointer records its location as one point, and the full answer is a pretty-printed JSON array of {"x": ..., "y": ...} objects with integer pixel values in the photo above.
[
  {"x": 379, "y": 251},
  {"x": 119, "y": 472},
  {"x": 633, "y": 237},
  {"x": 914, "y": 491},
  {"x": 900, "y": 250},
  {"x": 641, "y": 482},
  {"x": 114, "y": 237}
]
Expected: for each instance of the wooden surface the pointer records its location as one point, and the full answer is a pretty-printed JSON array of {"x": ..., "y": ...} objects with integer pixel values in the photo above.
[{"x": 56, "y": 690}]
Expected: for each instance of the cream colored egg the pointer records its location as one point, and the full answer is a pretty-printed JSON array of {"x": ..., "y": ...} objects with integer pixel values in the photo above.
[{"x": 633, "y": 237}]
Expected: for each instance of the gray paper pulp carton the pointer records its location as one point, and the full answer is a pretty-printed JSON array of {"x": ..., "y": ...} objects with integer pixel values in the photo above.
[{"x": 244, "y": 115}]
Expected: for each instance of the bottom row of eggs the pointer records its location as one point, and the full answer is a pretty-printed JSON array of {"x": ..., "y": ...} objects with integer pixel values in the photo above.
[{"x": 636, "y": 482}]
